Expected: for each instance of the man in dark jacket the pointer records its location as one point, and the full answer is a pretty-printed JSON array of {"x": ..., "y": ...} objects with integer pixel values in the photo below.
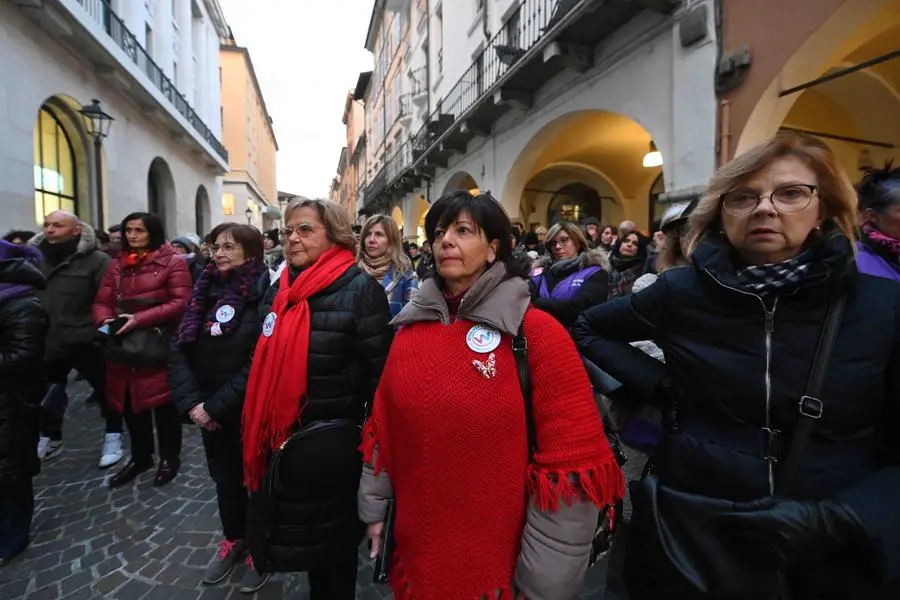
[
  {"x": 74, "y": 267},
  {"x": 23, "y": 325}
]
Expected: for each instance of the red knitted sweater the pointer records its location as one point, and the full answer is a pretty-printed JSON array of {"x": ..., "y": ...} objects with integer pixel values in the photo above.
[{"x": 454, "y": 444}]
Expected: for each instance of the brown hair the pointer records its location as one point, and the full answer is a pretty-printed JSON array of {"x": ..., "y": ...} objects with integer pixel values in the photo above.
[
  {"x": 672, "y": 254},
  {"x": 332, "y": 215},
  {"x": 581, "y": 244},
  {"x": 249, "y": 237},
  {"x": 837, "y": 197},
  {"x": 399, "y": 259}
]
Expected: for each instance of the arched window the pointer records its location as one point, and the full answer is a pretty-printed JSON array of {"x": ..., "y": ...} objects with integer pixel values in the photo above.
[
  {"x": 54, "y": 167},
  {"x": 574, "y": 203}
]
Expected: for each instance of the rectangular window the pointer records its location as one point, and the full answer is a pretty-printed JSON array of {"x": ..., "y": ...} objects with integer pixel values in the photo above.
[
  {"x": 175, "y": 73},
  {"x": 228, "y": 204}
]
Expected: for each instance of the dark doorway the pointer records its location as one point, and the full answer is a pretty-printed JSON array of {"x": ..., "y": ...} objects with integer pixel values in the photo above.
[{"x": 575, "y": 202}]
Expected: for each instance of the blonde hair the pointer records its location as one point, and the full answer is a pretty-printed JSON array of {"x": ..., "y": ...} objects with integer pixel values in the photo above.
[
  {"x": 332, "y": 215},
  {"x": 402, "y": 263},
  {"x": 837, "y": 197},
  {"x": 574, "y": 232}
]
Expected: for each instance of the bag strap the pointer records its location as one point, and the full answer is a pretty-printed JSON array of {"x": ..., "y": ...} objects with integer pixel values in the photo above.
[
  {"x": 810, "y": 406},
  {"x": 520, "y": 351}
]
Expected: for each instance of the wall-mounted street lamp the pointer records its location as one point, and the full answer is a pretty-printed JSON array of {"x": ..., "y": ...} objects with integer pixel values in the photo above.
[
  {"x": 98, "y": 123},
  {"x": 249, "y": 214}
]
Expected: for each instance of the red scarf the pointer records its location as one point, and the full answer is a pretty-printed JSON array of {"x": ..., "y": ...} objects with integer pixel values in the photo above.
[
  {"x": 135, "y": 257},
  {"x": 278, "y": 376}
]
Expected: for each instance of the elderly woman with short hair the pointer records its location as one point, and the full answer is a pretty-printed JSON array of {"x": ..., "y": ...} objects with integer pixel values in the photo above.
[
  {"x": 773, "y": 260},
  {"x": 572, "y": 277},
  {"x": 325, "y": 337}
]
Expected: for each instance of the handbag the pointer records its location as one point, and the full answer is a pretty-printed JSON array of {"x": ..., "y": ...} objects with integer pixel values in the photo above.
[
  {"x": 674, "y": 547},
  {"x": 145, "y": 347},
  {"x": 610, "y": 516}
]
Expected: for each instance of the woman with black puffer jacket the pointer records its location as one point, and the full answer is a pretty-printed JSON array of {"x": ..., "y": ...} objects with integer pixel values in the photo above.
[
  {"x": 208, "y": 370},
  {"x": 325, "y": 338},
  {"x": 23, "y": 325},
  {"x": 783, "y": 513}
]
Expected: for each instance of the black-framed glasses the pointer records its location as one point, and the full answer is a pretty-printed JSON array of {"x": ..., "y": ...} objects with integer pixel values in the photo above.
[
  {"x": 562, "y": 241},
  {"x": 786, "y": 199}
]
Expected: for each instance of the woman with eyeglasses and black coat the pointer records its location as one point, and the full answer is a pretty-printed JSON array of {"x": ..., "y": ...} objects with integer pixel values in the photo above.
[{"x": 571, "y": 277}]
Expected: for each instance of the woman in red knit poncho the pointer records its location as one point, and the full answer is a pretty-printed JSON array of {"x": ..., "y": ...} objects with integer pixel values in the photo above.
[{"x": 476, "y": 517}]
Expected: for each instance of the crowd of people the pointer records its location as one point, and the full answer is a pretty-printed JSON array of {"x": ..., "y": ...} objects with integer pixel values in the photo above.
[{"x": 436, "y": 398}]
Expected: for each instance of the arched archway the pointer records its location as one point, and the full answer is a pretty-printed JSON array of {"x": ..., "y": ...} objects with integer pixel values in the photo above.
[
  {"x": 62, "y": 161},
  {"x": 161, "y": 193},
  {"x": 460, "y": 181},
  {"x": 599, "y": 150},
  {"x": 574, "y": 202},
  {"x": 397, "y": 216},
  {"x": 856, "y": 114},
  {"x": 202, "y": 217}
]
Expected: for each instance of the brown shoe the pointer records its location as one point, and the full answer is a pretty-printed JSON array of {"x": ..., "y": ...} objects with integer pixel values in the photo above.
[
  {"x": 166, "y": 472},
  {"x": 128, "y": 473}
]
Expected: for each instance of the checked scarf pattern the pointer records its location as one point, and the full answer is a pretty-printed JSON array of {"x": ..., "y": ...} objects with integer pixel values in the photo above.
[{"x": 775, "y": 278}]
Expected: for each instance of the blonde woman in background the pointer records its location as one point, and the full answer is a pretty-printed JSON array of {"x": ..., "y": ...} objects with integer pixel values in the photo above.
[{"x": 381, "y": 255}]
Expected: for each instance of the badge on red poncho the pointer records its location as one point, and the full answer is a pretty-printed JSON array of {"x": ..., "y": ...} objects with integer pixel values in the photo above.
[{"x": 482, "y": 339}]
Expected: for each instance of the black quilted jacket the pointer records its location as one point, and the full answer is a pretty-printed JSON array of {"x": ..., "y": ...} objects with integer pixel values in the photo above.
[
  {"x": 23, "y": 327},
  {"x": 315, "y": 520}
]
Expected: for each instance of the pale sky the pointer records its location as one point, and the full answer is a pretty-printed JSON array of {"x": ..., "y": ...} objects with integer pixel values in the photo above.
[{"x": 307, "y": 54}]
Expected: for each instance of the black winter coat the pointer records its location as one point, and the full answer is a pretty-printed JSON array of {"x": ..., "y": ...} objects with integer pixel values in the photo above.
[
  {"x": 715, "y": 341},
  {"x": 23, "y": 328},
  {"x": 348, "y": 344},
  {"x": 214, "y": 369}
]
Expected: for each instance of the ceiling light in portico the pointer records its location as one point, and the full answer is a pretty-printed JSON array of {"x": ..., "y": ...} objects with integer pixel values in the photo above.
[{"x": 654, "y": 157}]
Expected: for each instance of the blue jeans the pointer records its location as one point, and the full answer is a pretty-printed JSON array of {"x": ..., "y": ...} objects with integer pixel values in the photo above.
[{"x": 16, "y": 511}]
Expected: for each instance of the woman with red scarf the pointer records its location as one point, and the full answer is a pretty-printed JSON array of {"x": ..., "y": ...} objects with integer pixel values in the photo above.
[
  {"x": 479, "y": 515},
  {"x": 325, "y": 337},
  {"x": 147, "y": 288}
]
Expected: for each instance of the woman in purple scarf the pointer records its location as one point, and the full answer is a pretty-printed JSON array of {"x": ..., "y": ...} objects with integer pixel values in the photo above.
[
  {"x": 878, "y": 250},
  {"x": 23, "y": 325},
  {"x": 208, "y": 373}
]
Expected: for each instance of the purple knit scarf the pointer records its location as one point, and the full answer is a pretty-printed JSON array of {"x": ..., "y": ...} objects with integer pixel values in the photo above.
[{"x": 239, "y": 283}]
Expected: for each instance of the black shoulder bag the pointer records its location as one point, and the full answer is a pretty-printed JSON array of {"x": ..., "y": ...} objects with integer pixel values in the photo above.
[
  {"x": 606, "y": 523},
  {"x": 674, "y": 548},
  {"x": 144, "y": 347}
]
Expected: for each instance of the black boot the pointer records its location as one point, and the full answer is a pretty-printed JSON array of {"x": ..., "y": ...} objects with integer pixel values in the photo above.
[
  {"x": 166, "y": 472},
  {"x": 128, "y": 473}
]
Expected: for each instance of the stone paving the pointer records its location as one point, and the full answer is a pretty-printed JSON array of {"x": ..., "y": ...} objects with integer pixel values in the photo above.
[{"x": 139, "y": 542}]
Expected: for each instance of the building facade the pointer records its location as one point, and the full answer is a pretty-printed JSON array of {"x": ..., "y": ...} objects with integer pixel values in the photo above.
[
  {"x": 825, "y": 67},
  {"x": 154, "y": 67},
  {"x": 562, "y": 109},
  {"x": 249, "y": 190},
  {"x": 350, "y": 179}
]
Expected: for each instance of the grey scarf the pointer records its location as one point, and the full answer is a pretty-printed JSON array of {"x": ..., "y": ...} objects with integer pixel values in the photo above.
[{"x": 496, "y": 300}]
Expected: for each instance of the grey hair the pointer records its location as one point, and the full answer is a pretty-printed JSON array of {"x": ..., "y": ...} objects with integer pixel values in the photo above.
[{"x": 334, "y": 217}]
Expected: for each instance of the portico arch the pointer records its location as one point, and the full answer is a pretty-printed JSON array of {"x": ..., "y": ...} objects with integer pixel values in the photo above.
[
  {"x": 601, "y": 150},
  {"x": 460, "y": 181},
  {"x": 161, "y": 199}
]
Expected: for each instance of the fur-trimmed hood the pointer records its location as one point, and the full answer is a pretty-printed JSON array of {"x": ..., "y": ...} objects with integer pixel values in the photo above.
[
  {"x": 86, "y": 244},
  {"x": 588, "y": 258}
]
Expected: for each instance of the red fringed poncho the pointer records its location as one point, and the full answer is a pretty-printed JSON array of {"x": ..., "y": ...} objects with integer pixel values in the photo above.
[{"x": 454, "y": 444}]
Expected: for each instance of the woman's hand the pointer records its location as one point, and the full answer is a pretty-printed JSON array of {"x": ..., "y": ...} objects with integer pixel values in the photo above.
[
  {"x": 130, "y": 324},
  {"x": 199, "y": 416},
  {"x": 374, "y": 533}
]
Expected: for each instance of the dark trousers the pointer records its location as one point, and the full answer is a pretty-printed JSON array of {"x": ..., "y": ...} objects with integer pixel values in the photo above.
[
  {"x": 226, "y": 467},
  {"x": 337, "y": 581},
  {"x": 16, "y": 511},
  {"x": 168, "y": 431},
  {"x": 89, "y": 361}
]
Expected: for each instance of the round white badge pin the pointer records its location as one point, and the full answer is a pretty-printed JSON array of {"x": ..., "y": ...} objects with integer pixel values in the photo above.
[
  {"x": 482, "y": 339},
  {"x": 216, "y": 329},
  {"x": 269, "y": 324},
  {"x": 225, "y": 313}
]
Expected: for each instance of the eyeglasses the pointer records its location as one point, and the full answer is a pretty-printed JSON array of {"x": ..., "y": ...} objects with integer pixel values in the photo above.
[
  {"x": 304, "y": 230},
  {"x": 786, "y": 199},
  {"x": 227, "y": 248},
  {"x": 560, "y": 241}
]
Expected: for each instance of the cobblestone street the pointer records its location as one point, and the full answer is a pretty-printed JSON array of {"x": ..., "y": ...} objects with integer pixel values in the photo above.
[{"x": 137, "y": 542}]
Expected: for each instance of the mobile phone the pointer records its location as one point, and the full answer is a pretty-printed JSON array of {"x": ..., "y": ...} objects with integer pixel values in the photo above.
[{"x": 104, "y": 329}]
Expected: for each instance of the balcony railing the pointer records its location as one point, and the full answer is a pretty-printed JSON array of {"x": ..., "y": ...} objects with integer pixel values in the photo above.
[{"x": 101, "y": 13}]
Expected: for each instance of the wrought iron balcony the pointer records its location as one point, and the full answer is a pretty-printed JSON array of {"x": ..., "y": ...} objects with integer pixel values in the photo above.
[{"x": 102, "y": 13}]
